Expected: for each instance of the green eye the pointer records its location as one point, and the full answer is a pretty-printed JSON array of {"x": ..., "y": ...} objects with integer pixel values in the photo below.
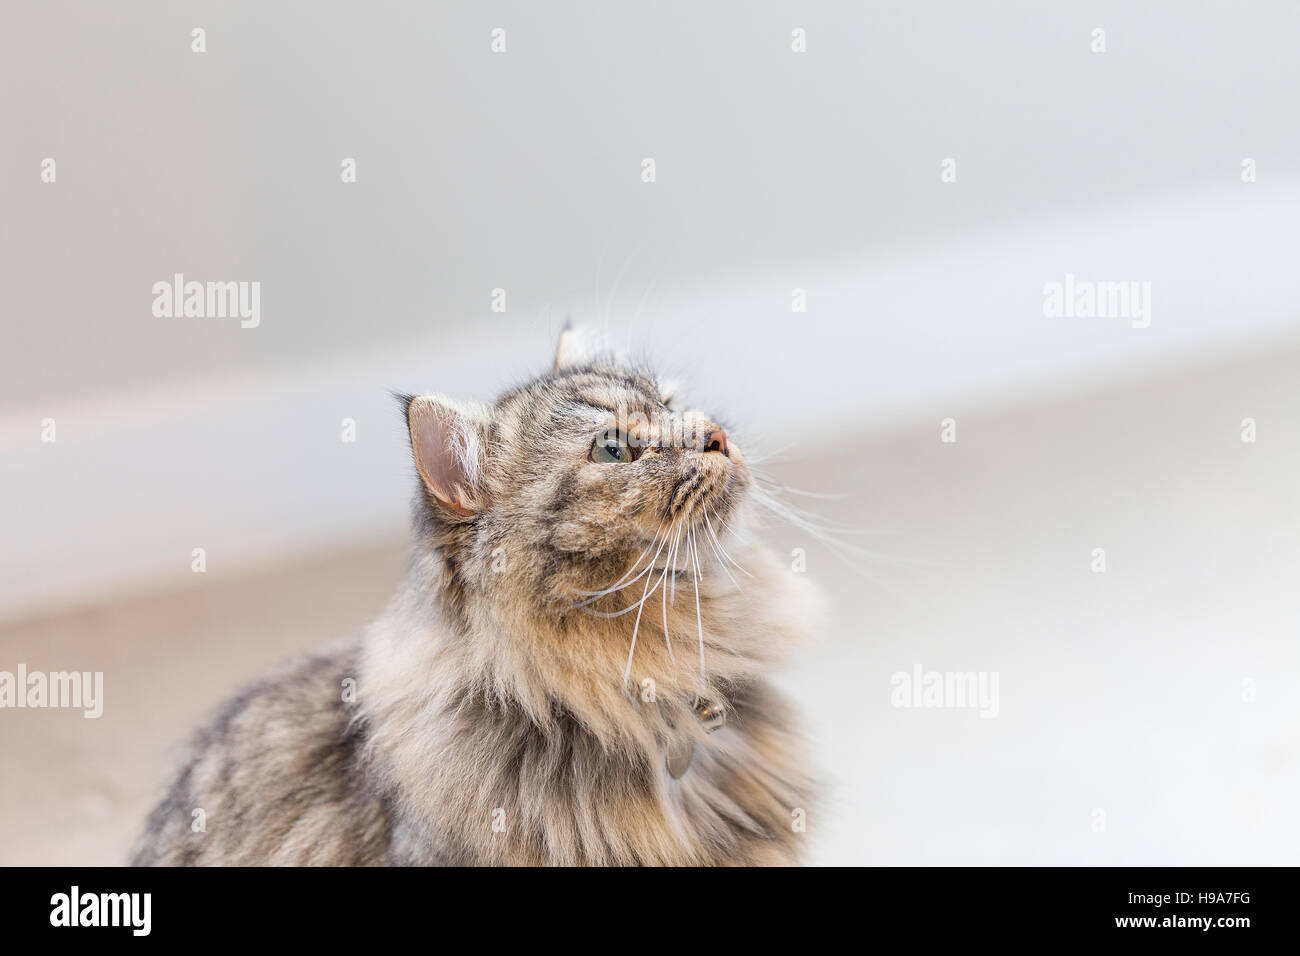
[{"x": 610, "y": 447}]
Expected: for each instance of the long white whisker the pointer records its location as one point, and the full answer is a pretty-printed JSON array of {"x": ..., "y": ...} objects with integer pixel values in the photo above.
[
  {"x": 618, "y": 280},
  {"x": 668, "y": 640},
  {"x": 597, "y": 595},
  {"x": 621, "y": 583},
  {"x": 810, "y": 521},
  {"x": 699, "y": 621},
  {"x": 641, "y": 305},
  {"x": 710, "y": 537},
  {"x": 772, "y": 485},
  {"x": 636, "y": 626},
  {"x": 635, "y": 605},
  {"x": 669, "y": 562},
  {"x": 721, "y": 549},
  {"x": 672, "y": 563},
  {"x": 758, "y": 457},
  {"x": 644, "y": 594},
  {"x": 825, "y": 534},
  {"x": 726, "y": 526}
]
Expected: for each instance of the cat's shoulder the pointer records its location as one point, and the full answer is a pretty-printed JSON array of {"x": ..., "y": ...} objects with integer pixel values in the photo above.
[{"x": 275, "y": 775}]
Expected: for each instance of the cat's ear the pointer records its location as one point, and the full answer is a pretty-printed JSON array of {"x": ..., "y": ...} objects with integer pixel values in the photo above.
[
  {"x": 576, "y": 347},
  {"x": 670, "y": 390},
  {"x": 449, "y": 441}
]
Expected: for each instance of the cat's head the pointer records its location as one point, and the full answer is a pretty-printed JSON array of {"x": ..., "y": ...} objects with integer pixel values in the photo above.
[{"x": 569, "y": 480}]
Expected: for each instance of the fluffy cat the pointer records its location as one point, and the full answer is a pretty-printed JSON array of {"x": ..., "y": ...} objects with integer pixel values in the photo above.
[{"x": 572, "y": 672}]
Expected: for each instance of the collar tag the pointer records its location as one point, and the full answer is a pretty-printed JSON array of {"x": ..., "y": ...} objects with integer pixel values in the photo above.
[{"x": 712, "y": 717}]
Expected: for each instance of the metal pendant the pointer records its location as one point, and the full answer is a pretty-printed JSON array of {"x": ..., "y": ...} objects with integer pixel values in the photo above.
[
  {"x": 682, "y": 752},
  {"x": 712, "y": 716},
  {"x": 680, "y": 756}
]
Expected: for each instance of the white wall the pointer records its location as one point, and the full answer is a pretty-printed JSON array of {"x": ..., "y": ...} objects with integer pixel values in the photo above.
[{"x": 776, "y": 170}]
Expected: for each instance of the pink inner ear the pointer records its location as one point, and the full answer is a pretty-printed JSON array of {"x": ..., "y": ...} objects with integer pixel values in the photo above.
[{"x": 433, "y": 438}]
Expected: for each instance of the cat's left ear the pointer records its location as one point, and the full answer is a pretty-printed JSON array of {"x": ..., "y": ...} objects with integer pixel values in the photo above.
[{"x": 449, "y": 442}]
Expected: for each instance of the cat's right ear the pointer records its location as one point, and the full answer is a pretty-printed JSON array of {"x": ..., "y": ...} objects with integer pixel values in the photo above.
[
  {"x": 448, "y": 442},
  {"x": 576, "y": 347}
]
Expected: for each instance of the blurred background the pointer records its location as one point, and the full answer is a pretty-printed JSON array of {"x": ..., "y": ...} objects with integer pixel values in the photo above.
[{"x": 842, "y": 243}]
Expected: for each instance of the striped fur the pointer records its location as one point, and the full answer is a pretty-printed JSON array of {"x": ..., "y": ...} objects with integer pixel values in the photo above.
[{"x": 491, "y": 722}]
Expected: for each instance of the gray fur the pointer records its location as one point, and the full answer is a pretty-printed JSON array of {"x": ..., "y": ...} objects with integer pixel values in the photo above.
[{"x": 491, "y": 723}]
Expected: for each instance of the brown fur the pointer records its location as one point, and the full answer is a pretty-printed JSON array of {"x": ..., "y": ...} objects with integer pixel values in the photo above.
[{"x": 492, "y": 723}]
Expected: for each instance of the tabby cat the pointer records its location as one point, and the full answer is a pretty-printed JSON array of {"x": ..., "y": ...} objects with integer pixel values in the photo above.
[{"x": 571, "y": 673}]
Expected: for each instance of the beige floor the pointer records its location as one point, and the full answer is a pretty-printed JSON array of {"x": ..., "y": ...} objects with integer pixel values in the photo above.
[
  {"x": 85, "y": 784},
  {"x": 1120, "y": 693}
]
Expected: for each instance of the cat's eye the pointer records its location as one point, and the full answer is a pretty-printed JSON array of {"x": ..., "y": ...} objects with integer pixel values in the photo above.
[{"x": 611, "y": 446}]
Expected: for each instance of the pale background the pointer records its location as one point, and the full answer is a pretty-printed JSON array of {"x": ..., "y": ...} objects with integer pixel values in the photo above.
[{"x": 1121, "y": 692}]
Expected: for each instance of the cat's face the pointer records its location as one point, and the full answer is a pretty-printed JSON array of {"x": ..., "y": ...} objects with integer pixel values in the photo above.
[{"x": 565, "y": 481}]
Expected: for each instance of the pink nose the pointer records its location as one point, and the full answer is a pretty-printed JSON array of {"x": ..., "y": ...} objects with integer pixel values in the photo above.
[{"x": 717, "y": 441}]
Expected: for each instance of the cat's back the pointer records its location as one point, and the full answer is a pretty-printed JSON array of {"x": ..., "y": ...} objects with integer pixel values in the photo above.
[{"x": 276, "y": 778}]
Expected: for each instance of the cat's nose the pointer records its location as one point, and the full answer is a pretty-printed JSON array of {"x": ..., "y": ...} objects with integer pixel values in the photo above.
[{"x": 716, "y": 440}]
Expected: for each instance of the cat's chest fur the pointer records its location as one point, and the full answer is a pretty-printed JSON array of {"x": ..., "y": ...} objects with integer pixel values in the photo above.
[
  {"x": 473, "y": 781},
  {"x": 558, "y": 800},
  {"x": 408, "y": 748}
]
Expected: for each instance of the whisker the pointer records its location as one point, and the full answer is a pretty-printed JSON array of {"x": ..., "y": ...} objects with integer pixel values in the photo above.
[
  {"x": 597, "y": 595},
  {"x": 672, "y": 561},
  {"x": 641, "y": 305},
  {"x": 711, "y": 538},
  {"x": 635, "y": 605},
  {"x": 824, "y": 534},
  {"x": 627, "y": 671},
  {"x": 759, "y": 457},
  {"x": 644, "y": 594},
  {"x": 668, "y": 640},
  {"x": 722, "y": 549},
  {"x": 786, "y": 510},
  {"x": 787, "y": 489},
  {"x": 620, "y": 584},
  {"x": 670, "y": 566},
  {"x": 699, "y": 621}
]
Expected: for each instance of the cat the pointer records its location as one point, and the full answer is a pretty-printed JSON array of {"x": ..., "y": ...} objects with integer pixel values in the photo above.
[{"x": 573, "y": 672}]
